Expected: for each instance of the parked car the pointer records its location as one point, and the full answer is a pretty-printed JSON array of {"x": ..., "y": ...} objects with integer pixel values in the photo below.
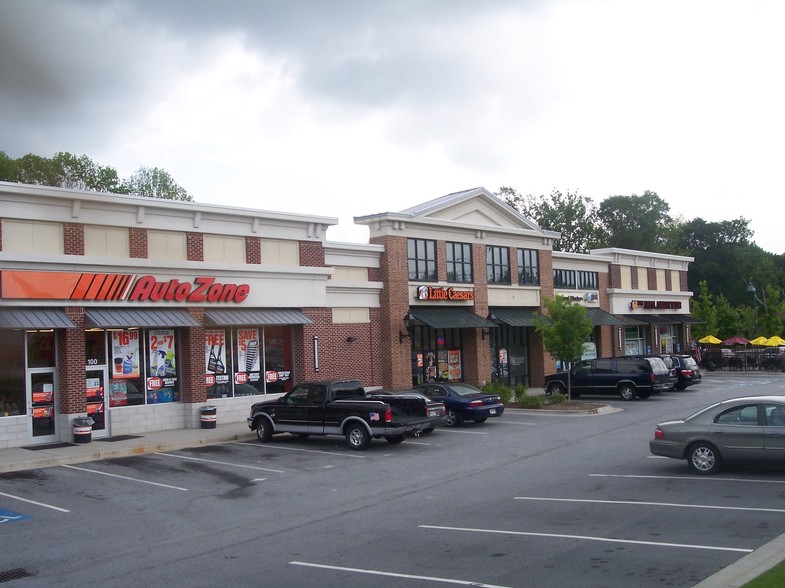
[
  {"x": 719, "y": 358},
  {"x": 342, "y": 408},
  {"x": 463, "y": 402},
  {"x": 629, "y": 377},
  {"x": 743, "y": 430},
  {"x": 688, "y": 372}
]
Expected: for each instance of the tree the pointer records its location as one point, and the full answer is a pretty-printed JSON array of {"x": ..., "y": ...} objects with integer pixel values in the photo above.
[
  {"x": 155, "y": 183},
  {"x": 65, "y": 170},
  {"x": 636, "y": 222},
  {"x": 571, "y": 214},
  {"x": 564, "y": 331}
]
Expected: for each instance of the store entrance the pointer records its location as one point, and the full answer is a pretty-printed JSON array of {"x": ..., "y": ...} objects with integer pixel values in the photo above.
[
  {"x": 95, "y": 395},
  {"x": 41, "y": 400}
]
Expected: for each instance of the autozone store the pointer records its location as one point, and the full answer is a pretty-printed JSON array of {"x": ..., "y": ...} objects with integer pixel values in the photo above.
[{"x": 143, "y": 343}]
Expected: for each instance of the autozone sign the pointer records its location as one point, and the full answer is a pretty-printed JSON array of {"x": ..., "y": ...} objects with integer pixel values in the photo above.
[{"x": 112, "y": 287}]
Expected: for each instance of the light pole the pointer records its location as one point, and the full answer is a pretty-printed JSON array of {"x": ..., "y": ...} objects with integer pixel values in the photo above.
[{"x": 751, "y": 288}]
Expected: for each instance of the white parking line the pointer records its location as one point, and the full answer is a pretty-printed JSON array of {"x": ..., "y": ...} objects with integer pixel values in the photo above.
[
  {"x": 236, "y": 465},
  {"x": 273, "y": 446},
  {"x": 125, "y": 478},
  {"x": 587, "y": 538},
  {"x": 463, "y": 432},
  {"x": 690, "y": 478},
  {"x": 395, "y": 575},
  {"x": 505, "y": 422},
  {"x": 643, "y": 503},
  {"x": 34, "y": 502}
]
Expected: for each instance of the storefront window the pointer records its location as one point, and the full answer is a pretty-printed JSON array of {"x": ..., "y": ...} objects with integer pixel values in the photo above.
[
  {"x": 510, "y": 355},
  {"x": 41, "y": 349},
  {"x": 633, "y": 341},
  {"x": 12, "y": 373},
  {"x": 278, "y": 359},
  {"x": 95, "y": 347},
  {"x": 437, "y": 355}
]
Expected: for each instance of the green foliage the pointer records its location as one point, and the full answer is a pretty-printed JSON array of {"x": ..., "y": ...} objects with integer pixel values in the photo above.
[
  {"x": 521, "y": 390},
  {"x": 65, "y": 170},
  {"x": 501, "y": 389},
  {"x": 636, "y": 222},
  {"x": 531, "y": 401},
  {"x": 571, "y": 214},
  {"x": 558, "y": 398}
]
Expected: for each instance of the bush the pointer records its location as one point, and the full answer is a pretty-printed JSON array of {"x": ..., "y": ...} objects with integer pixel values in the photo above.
[
  {"x": 503, "y": 391},
  {"x": 521, "y": 390},
  {"x": 558, "y": 398},
  {"x": 531, "y": 401}
]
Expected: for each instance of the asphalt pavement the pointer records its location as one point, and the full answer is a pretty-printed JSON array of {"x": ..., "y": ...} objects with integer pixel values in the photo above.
[{"x": 96, "y": 449}]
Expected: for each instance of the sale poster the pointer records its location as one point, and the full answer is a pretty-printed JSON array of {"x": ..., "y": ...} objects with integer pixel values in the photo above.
[
  {"x": 125, "y": 354},
  {"x": 162, "y": 353},
  {"x": 248, "y": 350},
  {"x": 215, "y": 351}
]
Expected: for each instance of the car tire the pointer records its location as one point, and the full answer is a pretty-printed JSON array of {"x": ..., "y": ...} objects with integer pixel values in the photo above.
[
  {"x": 357, "y": 437},
  {"x": 556, "y": 388},
  {"x": 482, "y": 420},
  {"x": 264, "y": 430},
  {"x": 627, "y": 392},
  {"x": 453, "y": 420},
  {"x": 704, "y": 459},
  {"x": 394, "y": 439}
]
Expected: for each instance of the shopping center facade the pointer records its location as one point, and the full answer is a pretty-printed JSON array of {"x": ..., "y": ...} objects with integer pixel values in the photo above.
[{"x": 139, "y": 312}]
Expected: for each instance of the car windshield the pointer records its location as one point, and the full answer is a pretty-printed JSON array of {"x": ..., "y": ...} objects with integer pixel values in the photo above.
[
  {"x": 464, "y": 389},
  {"x": 657, "y": 365}
]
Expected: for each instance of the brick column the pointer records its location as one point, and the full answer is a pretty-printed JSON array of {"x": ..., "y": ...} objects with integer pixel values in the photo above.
[
  {"x": 71, "y": 364},
  {"x": 193, "y": 369}
]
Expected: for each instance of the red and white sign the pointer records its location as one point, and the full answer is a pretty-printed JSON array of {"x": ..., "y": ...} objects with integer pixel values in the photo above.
[
  {"x": 271, "y": 377},
  {"x": 154, "y": 383},
  {"x": 241, "y": 378},
  {"x": 209, "y": 380}
]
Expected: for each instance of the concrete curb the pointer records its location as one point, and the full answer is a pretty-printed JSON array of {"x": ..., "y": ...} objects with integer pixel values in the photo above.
[
  {"x": 748, "y": 567},
  {"x": 604, "y": 409}
]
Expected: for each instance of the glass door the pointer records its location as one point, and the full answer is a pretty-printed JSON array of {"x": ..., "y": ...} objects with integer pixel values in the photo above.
[
  {"x": 95, "y": 381},
  {"x": 41, "y": 386}
]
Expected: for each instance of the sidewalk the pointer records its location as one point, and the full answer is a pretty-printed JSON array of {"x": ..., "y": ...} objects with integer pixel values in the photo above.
[{"x": 32, "y": 457}]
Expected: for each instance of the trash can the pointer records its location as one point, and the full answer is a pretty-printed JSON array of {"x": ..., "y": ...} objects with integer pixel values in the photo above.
[
  {"x": 209, "y": 418},
  {"x": 83, "y": 429}
]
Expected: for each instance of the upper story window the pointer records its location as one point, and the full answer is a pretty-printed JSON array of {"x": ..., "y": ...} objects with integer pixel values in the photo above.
[
  {"x": 588, "y": 280},
  {"x": 528, "y": 267},
  {"x": 563, "y": 278},
  {"x": 422, "y": 259},
  {"x": 459, "y": 262},
  {"x": 498, "y": 264}
]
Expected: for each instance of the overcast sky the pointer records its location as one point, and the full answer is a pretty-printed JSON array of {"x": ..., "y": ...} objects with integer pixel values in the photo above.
[{"x": 352, "y": 107}]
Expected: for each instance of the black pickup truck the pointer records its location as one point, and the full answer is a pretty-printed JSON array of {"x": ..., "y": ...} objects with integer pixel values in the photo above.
[{"x": 343, "y": 408}]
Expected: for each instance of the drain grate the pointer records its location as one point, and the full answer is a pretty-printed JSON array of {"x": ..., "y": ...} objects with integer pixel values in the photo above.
[{"x": 15, "y": 574}]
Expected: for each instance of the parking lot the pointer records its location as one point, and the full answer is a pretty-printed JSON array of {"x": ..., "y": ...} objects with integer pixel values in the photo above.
[{"x": 528, "y": 499}]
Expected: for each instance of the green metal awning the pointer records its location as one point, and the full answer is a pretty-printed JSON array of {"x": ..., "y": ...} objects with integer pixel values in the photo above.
[
  {"x": 515, "y": 317},
  {"x": 34, "y": 318},
  {"x": 686, "y": 319},
  {"x": 256, "y": 316},
  {"x": 600, "y": 318},
  {"x": 650, "y": 319},
  {"x": 449, "y": 318},
  {"x": 139, "y": 317}
]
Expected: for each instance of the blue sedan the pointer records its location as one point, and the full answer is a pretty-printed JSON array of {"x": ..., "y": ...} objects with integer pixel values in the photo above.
[{"x": 463, "y": 402}]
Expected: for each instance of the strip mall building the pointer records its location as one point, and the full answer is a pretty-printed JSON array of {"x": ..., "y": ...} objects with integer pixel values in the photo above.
[{"x": 139, "y": 312}]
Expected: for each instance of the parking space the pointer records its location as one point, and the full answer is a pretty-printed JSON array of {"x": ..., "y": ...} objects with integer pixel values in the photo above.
[{"x": 527, "y": 499}]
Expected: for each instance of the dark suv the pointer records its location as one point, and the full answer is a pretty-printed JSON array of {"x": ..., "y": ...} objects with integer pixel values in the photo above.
[
  {"x": 687, "y": 371},
  {"x": 629, "y": 377}
]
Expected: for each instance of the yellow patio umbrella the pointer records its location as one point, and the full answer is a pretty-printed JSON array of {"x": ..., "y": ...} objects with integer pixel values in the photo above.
[
  {"x": 710, "y": 339},
  {"x": 775, "y": 341},
  {"x": 759, "y": 340}
]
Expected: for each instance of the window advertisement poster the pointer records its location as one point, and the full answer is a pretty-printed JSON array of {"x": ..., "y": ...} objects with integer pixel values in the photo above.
[
  {"x": 454, "y": 362},
  {"x": 215, "y": 356},
  {"x": 248, "y": 350},
  {"x": 162, "y": 380},
  {"x": 162, "y": 353},
  {"x": 125, "y": 354}
]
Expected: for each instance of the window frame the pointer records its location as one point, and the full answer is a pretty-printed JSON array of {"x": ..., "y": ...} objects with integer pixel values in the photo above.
[
  {"x": 528, "y": 273},
  {"x": 453, "y": 264},
  {"x": 497, "y": 259},
  {"x": 421, "y": 260}
]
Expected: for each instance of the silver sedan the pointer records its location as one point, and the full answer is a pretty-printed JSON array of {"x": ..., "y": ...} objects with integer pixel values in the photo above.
[{"x": 742, "y": 430}]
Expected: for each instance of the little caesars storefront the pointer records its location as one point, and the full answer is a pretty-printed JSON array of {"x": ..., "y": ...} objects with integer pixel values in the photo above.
[{"x": 134, "y": 352}]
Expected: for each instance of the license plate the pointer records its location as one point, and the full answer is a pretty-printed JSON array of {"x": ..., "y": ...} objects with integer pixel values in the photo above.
[{"x": 492, "y": 411}]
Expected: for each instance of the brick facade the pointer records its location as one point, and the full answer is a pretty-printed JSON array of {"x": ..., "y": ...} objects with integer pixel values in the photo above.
[
  {"x": 195, "y": 246},
  {"x": 137, "y": 243},
  {"x": 311, "y": 254},
  {"x": 73, "y": 238},
  {"x": 253, "y": 250}
]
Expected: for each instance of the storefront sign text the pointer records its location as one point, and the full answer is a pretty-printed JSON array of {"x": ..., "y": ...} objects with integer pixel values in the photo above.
[
  {"x": 203, "y": 289},
  {"x": 655, "y": 304},
  {"x": 441, "y": 293}
]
